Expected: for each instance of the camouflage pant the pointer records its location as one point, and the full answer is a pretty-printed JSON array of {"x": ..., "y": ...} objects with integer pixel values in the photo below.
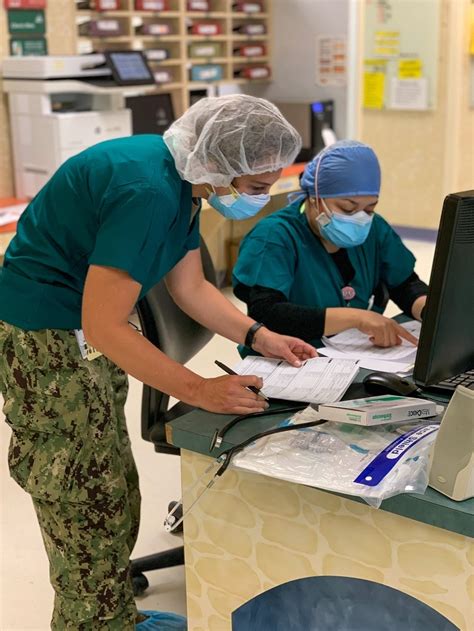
[{"x": 71, "y": 452}]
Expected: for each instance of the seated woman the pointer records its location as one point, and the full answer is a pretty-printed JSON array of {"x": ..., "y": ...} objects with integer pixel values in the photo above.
[{"x": 328, "y": 262}]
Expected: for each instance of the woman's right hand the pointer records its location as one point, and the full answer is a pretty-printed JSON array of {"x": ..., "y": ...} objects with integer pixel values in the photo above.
[
  {"x": 228, "y": 395},
  {"x": 383, "y": 331}
]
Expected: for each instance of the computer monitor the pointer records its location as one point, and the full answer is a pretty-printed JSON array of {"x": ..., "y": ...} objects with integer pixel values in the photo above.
[
  {"x": 446, "y": 346},
  {"x": 151, "y": 113},
  {"x": 129, "y": 67},
  {"x": 312, "y": 120}
]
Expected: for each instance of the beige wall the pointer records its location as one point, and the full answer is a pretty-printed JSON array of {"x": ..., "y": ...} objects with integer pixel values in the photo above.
[
  {"x": 61, "y": 36},
  {"x": 425, "y": 155}
]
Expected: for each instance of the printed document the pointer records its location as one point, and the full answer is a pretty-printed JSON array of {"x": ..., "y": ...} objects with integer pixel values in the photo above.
[
  {"x": 356, "y": 345},
  {"x": 318, "y": 380}
]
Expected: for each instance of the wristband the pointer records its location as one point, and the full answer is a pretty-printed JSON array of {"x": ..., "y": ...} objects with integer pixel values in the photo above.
[{"x": 249, "y": 338}]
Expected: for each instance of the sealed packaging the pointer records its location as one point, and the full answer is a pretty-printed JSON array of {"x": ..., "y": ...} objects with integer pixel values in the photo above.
[
  {"x": 373, "y": 463},
  {"x": 378, "y": 410},
  {"x": 101, "y": 28},
  {"x": 209, "y": 72},
  {"x": 157, "y": 54},
  {"x": 156, "y": 29},
  {"x": 248, "y": 7},
  {"x": 206, "y": 28},
  {"x": 251, "y": 29},
  {"x": 250, "y": 50},
  {"x": 151, "y": 5},
  {"x": 254, "y": 72},
  {"x": 198, "y": 5},
  {"x": 205, "y": 49}
]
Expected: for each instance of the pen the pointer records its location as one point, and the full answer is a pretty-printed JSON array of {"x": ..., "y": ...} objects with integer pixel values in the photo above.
[{"x": 229, "y": 371}]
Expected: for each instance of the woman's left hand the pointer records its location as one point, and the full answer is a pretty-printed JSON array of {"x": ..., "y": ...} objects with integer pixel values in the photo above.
[{"x": 291, "y": 349}]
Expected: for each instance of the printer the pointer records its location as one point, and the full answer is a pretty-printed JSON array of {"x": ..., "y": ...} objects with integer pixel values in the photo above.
[{"x": 58, "y": 107}]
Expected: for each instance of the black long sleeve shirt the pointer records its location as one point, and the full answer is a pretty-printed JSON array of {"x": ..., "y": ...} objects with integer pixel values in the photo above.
[{"x": 273, "y": 309}]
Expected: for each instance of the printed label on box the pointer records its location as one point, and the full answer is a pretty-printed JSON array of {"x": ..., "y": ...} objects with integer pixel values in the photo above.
[{"x": 24, "y": 4}]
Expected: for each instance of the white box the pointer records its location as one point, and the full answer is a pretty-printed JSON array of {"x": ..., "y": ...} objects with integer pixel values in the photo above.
[{"x": 378, "y": 410}]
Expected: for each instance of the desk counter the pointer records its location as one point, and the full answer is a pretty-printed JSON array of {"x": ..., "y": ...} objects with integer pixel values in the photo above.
[{"x": 250, "y": 533}]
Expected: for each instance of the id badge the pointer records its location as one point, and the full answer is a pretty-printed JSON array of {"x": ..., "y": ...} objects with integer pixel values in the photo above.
[{"x": 87, "y": 351}]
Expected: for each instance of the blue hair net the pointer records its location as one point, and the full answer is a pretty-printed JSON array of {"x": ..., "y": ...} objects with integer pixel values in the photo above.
[{"x": 346, "y": 168}]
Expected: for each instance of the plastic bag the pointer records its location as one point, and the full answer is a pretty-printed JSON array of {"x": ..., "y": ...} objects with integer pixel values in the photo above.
[{"x": 373, "y": 463}]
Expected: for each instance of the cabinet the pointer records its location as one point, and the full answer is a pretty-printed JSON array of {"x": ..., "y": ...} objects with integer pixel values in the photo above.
[{"x": 191, "y": 45}]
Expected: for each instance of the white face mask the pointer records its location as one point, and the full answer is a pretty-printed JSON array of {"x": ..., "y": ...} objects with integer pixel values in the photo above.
[{"x": 238, "y": 205}]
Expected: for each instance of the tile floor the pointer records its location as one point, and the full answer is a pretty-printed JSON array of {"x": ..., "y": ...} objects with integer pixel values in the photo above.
[{"x": 25, "y": 594}]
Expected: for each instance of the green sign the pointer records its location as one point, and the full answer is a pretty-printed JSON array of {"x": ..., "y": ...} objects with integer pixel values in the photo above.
[
  {"x": 36, "y": 46},
  {"x": 26, "y": 22}
]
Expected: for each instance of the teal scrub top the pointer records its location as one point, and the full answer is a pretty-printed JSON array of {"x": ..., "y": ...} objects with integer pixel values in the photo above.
[
  {"x": 120, "y": 204},
  {"x": 281, "y": 252}
]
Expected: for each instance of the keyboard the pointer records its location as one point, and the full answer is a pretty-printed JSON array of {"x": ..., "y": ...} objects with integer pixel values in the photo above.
[{"x": 465, "y": 379}]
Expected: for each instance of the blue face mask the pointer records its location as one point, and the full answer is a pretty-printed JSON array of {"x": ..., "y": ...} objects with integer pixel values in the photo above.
[
  {"x": 238, "y": 205},
  {"x": 344, "y": 231}
]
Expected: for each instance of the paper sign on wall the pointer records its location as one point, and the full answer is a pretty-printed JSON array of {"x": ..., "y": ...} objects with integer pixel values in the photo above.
[
  {"x": 408, "y": 94},
  {"x": 330, "y": 60},
  {"x": 374, "y": 89}
]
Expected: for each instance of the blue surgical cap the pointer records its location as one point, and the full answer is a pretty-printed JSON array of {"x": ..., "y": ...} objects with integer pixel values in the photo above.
[{"x": 346, "y": 168}]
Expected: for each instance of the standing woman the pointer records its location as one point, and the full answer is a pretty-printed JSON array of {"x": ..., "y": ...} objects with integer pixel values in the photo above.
[{"x": 112, "y": 222}]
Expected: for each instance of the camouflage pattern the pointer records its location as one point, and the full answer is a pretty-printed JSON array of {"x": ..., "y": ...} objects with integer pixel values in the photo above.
[{"x": 71, "y": 452}]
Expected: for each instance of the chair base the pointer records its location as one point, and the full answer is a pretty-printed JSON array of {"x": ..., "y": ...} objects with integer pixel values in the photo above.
[{"x": 158, "y": 561}]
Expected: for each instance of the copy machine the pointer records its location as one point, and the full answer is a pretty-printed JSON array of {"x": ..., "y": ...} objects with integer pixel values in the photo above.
[{"x": 58, "y": 107}]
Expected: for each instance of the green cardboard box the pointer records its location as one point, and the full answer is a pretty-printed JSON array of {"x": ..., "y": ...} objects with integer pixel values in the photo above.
[
  {"x": 26, "y": 22},
  {"x": 34, "y": 46}
]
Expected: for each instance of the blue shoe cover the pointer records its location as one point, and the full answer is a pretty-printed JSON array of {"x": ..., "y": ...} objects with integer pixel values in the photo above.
[{"x": 161, "y": 621}]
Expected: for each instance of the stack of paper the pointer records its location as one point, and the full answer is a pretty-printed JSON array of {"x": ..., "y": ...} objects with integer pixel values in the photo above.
[
  {"x": 318, "y": 380},
  {"x": 352, "y": 344}
]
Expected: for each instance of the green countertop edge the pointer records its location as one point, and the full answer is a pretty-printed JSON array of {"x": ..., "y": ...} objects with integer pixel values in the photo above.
[{"x": 193, "y": 431}]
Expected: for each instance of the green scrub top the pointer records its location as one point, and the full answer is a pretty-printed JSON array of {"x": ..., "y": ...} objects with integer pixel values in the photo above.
[
  {"x": 121, "y": 204},
  {"x": 281, "y": 252}
]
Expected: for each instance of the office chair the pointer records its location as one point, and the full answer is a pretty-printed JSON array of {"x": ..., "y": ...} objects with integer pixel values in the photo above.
[{"x": 178, "y": 336}]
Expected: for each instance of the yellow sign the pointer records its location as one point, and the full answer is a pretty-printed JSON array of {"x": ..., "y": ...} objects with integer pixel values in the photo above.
[
  {"x": 387, "y": 44},
  {"x": 410, "y": 69},
  {"x": 471, "y": 48},
  {"x": 374, "y": 89}
]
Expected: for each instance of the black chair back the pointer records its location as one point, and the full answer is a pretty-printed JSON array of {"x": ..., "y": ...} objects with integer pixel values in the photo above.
[{"x": 180, "y": 338}]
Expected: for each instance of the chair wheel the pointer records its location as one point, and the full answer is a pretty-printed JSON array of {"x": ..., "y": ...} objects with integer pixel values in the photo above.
[
  {"x": 140, "y": 584},
  {"x": 178, "y": 514}
]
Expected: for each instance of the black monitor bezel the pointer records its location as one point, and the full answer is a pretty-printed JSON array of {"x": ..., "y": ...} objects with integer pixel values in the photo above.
[
  {"x": 426, "y": 370},
  {"x": 116, "y": 75}
]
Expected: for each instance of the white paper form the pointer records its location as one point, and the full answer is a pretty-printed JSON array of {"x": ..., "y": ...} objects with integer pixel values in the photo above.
[
  {"x": 10, "y": 214},
  {"x": 356, "y": 345},
  {"x": 402, "y": 366},
  {"x": 318, "y": 380}
]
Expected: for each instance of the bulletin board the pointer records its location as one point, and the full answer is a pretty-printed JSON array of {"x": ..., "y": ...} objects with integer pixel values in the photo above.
[{"x": 401, "y": 54}]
